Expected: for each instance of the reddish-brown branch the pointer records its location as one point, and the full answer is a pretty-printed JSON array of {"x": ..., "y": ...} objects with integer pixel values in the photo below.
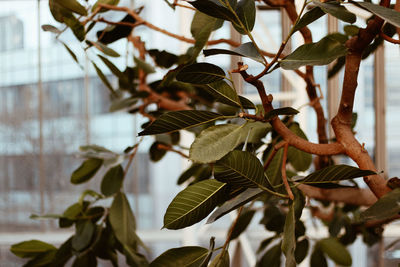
[
  {"x": 348, "y": 195},
  {"x": 280, "y": 127},
  {"x": 283, "y": 172},
  {"x": 389, "y": 39},
  {"x": 169, "y": 148},
  {"x": 272, "y": 155}
]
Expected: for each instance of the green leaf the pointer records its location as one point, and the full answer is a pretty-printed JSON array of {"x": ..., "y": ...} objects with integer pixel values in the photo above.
[
  {"x": 280, "y": 111},
  {"x": 308, "y": 18},
  {"x": 386, "y": 207},
  {"x": 72, "y": 5},
  {"x": 300, "y": 160},
  {"x": 193, "y": 204},
  {"x": 246, "y": 11},
  {"x": 215, "y": 142},
  {"x": 318, "y": 258},
  {"x": 31, "y": 248},
  {"x": 76, "y": 26},
  {"x": 336, "y": 251},
  {"x": 242, "y": 223},
  {"x": 321, "y": 53},
  {"x": 123, "y": 221},
  {"x": 214, "y": 9},
  {"x": 272, "y": 258},
  {"x": 51, "y": 28},
  {"x": 273, "y": 171},
  {"x": 201, "y": 29},
  {"x": 86, "y": 171},
  {"x": 179, "y": 120},
  {"x": 107, "y": 2},
  {"x": 112, "y": 181},
  {"x": 184, "y": 257},
  {"x": 85, "y": 260},
  {"x": 125, "y": 103},
  {"x": 156, "y": 154},
  {"x": 143, "y": 65},
  {"x": 105, "y": 49},
  {"x": 224, "y": 93},
  {"x": 301, "y": 250},
  {"x": 63, "y": 254},
  {"x": 245, "y": 50},
  {"x": 390, "y": 15},
  {"x": 246, "y": 103},
  {"x": 74, "y": 57},
  {"x": 201, "y": 73},
  {"x": 41, "y": 260},
  {"x": 241, "y": 168},
  {"x": 221, "y": 260},
  {"x": 248, "y": 195},
  {"x": 163, "y": 58},
  {"x": 83, "y": 235},
  {"x": 57, "y": 11},
  {"x": 289, "y": 238},
  {"x": 335, "y": 173},
  {"x": 104, "y": 79},
  {"x": 336, "y": 10}
]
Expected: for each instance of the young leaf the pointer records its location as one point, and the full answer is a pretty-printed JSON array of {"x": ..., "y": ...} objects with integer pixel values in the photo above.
[
  {"x": 112, "y": 181},
  {"x": 186, "y": 210},
  {"x": 246, "y": 11},
  {"x": 221, "y": 260},
  {"x": 215, "y": 142},
  {"x": 180, "y": 120},
  {"x": 31, "y": 248},
  {"x": 289, "y": 238},
  {"x": 76, "y": 26},
  {"x": 43, "y": 259},
  {"x": 335, "y": 173},
  {"x": 74, "y": 57},
  {"x": 201, "y": 73},
  {"x": 336, "y": 251},
  {"x": 241, "y": 168},
  {"x": 248, "y": 195},
  {"x": 245, "y": 50},
  {"x": 72, "y": 5},
  {"x": 86, "y": 171},
  {"x": 390, "y": 15},
  {"x": 184, "y": 256},
  {"x": 321, "y": 53},
  {"x": 386, "y": 207},
  {"x": 336, "y": 10},
  {"x": 308, "y": 18},
  {"x": 214, "y": 9}
]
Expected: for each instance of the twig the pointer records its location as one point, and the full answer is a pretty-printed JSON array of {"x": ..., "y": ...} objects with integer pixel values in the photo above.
[
  {"x": 272, "y": 155},
  {"x": 252, "y": 117},
  {"x": 95, "y": 12},
  {"x": 131, "y": 156},
  {"x": 283, "y": 170},
  {"x": 228, "y": 238},
  {"x": 389, "y": 39},
  {"x": 169, "y": 148}
]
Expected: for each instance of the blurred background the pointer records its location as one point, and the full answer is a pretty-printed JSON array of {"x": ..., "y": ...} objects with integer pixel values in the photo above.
[{"x": 50, "y": 105}]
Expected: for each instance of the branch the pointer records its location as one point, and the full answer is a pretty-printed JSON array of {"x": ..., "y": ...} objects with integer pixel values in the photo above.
[
  {"x": 280, "y": 127},
  {"x": 141, "y": 21},
  {"x": 169, "y": 148},
  {"x": 283, "y": 171},
  {"x": 389, "y": 39},
  {"x": 349, "y": 195}
]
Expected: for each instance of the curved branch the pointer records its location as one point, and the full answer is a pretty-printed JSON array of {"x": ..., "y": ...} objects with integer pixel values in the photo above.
[{"x": 349, "y": 195}]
